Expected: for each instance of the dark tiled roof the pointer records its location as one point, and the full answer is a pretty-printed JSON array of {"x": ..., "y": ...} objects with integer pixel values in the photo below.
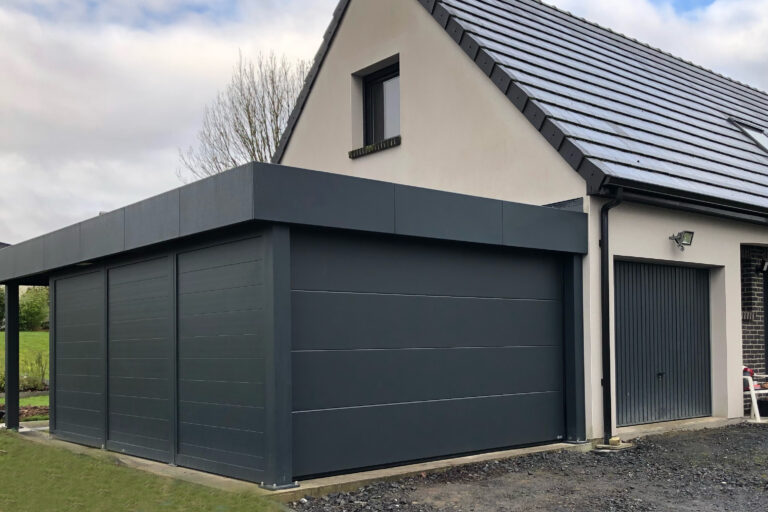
[{"x": 622, "y": 113}]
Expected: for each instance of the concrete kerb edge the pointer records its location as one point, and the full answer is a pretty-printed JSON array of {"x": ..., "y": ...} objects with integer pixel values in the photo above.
[{"x": 314, "y": 488}]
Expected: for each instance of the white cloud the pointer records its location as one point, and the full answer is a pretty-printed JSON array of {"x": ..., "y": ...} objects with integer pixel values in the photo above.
[
  {"x": 92, "y": 112},
  {"x": 96, "y": 97},
  {"x": 728, "y": 36}
]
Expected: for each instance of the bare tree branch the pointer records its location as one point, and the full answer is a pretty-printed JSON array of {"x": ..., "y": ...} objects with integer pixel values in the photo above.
[{"x": 246, "y": 120}]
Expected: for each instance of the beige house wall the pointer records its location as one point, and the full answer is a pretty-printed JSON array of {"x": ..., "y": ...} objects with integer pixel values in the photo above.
[
  {"x": 642, "y": 233},
  {"x": 460, "y": 133}
]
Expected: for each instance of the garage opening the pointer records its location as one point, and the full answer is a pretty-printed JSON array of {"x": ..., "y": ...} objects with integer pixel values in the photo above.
[{"x": 663, "y": 350}]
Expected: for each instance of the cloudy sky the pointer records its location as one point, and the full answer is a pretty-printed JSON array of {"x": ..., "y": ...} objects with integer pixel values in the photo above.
[{"x": 96, "y": 96}]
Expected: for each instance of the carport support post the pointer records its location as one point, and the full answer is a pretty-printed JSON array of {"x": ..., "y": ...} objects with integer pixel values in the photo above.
[
  {"x": 12, "y": 356},
  {"x": 575, "y": 415},
  {"x": 277, "y": 359}
]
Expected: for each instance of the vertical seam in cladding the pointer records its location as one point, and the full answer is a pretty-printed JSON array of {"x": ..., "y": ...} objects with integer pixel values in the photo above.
[{"x": 105, "y": 333}]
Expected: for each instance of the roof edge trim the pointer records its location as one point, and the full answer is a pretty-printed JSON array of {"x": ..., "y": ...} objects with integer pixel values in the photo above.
[
  {"x": 639, "y": 193},
  {"x": 309, "y": 82},
  {"x": 520, "y": 98}
]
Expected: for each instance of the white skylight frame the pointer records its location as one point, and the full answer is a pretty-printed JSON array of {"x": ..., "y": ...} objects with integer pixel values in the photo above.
[{"x": 758, "y": 135}]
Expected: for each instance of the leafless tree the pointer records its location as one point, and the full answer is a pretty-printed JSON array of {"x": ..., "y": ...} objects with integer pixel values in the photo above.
[{"x": 246, "y": 120}]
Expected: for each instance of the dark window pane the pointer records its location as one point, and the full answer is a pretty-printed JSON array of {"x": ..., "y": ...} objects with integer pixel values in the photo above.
[
  {"x": 391, "y": 109},
  {"x": 382, "y": 105},
  {"x": 376, "y": 112}
]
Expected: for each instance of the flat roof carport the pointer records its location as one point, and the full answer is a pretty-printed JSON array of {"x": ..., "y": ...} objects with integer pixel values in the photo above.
[{"x": 264, "y": 194}]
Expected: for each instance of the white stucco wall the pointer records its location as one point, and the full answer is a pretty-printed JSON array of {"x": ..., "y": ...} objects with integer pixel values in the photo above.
[
  {"x": 460, "y": 133},
  {"x": 642, "y": 233}
]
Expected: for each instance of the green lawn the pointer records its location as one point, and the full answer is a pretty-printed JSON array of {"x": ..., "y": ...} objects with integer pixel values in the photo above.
[
  {"x": 38, "y": 477},
  {"x": 37, "y": 401},
  {"x": 30, "y": 343}
]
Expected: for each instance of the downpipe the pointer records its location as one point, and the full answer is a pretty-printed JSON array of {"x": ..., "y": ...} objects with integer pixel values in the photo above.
[{"x": 605, "y": 312}]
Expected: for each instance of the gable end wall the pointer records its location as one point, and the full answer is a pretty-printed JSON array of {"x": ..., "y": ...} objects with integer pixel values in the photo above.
[{"x": 460, "y": 133}]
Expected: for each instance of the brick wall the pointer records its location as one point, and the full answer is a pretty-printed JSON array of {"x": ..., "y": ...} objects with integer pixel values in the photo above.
[{"x": 753, "y": 314}]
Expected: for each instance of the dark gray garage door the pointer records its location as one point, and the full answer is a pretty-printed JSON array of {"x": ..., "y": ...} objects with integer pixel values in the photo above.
[
  {"x": 221, "y": 359},
  {"x": 79, "y": 359},
  {"x": 141, "y": 356},
  {"x": 662, "y": 343},
  {"x": 408, "y": 349}
]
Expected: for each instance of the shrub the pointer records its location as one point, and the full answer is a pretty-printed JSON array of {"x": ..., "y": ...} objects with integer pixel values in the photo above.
[
  {"x": 34, "y": 374},
  {"x": 33, "y": 308}
]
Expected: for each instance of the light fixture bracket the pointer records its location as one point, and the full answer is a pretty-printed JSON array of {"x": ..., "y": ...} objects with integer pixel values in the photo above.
[{"x": 683, "y": 239}]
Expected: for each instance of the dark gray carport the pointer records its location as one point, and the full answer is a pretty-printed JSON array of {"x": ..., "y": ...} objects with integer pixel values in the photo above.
[{"x": 179, "y": 242}]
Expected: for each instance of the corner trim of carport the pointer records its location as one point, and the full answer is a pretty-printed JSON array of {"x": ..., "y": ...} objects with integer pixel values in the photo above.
[
  {"x": 278, "y": 390},
  {"x": 52, "y": 355},
  {"x": 573, "y": 351}
]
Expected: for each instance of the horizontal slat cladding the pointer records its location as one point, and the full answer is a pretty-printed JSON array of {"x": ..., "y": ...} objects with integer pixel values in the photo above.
[
  {"x": 339, "y": 439},
  {"x": 141, "y": 358},
  {"x": 628, "y": 106},
  {"x": 354, "y": 378},
  {"x": 406, "y": 349},
  {"x": 663, "y": 351},
  {"x": 221, "y": 359},
  {"x": 79, "y": 331},
  {"x": 339, "y": 321},
  {"x": 339, "y": 262}
]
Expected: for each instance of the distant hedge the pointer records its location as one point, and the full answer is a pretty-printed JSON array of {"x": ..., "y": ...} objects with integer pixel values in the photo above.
[{"x": 33, "y": 308}]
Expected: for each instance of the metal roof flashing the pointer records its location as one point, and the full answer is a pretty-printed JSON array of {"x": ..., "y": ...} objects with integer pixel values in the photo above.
[{"x": 758, "y": 134}]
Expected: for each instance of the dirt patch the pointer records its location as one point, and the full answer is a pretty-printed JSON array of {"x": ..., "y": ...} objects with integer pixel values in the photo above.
[
  {"x": 712, "y": 470},
  {"x": 32, "y": 411}
]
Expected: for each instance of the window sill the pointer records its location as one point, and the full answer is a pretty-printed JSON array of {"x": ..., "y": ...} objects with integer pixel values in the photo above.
[{"x": 375, "y": 148}]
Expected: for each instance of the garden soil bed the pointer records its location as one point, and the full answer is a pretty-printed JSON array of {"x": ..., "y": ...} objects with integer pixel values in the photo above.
[
  {"x": 711, "y": 470},
  {"x": 32, "y": 412}
]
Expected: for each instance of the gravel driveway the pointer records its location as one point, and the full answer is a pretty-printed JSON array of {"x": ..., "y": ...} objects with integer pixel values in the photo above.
[{"x": 722, "y": 469}]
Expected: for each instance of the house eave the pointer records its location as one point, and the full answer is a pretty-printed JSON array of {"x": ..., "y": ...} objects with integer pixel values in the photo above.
[{"x": 641, "y": 193}]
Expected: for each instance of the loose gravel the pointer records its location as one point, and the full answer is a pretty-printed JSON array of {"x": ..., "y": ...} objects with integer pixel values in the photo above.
[{"x": 722, "y": 469}]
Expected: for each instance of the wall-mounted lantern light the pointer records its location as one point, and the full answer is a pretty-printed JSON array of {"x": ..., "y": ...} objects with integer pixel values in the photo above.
[
  {"x": 762, "y": 268},
  {"x": 683, "y": 239}
]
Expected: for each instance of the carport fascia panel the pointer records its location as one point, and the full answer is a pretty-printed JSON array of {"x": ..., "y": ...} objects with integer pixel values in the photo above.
[{"x": 268, "y": 192}]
